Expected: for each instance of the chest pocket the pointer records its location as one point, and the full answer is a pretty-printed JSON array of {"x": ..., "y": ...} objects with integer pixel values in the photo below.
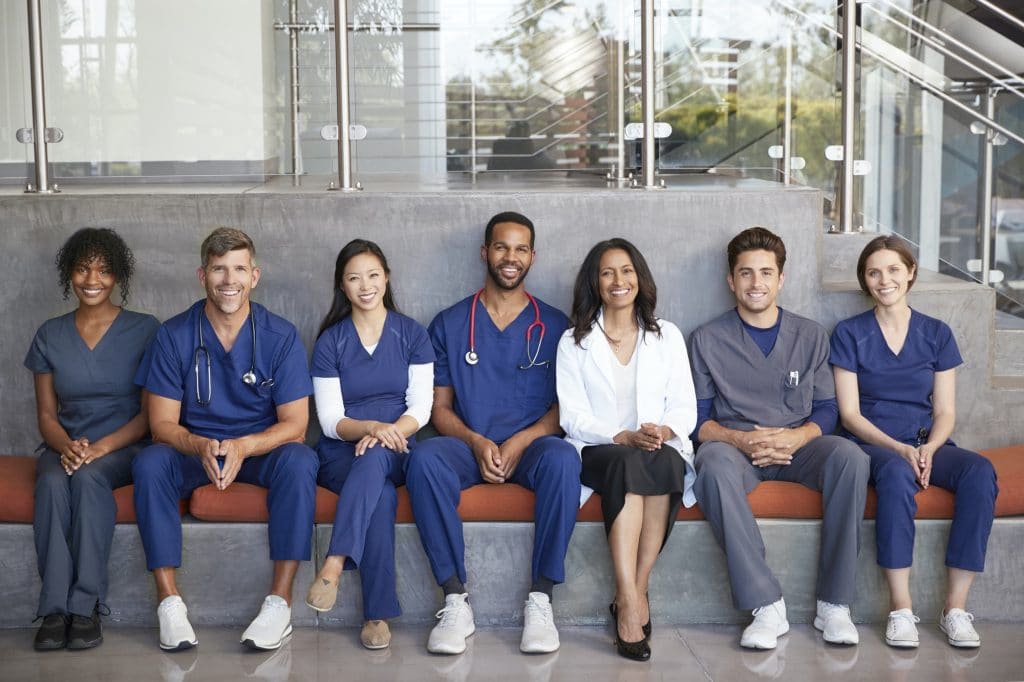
[
  {"x": 797, "y": 399},
  {"x": 532, "y": 384}
]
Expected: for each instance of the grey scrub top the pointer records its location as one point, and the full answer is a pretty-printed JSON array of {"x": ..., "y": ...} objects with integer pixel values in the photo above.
[
  {"x": 96, "y": 392},
  {"x": 748, "y": 388}
]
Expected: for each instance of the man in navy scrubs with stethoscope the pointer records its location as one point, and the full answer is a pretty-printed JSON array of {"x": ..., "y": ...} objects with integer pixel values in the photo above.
[
  {"x": 494, "y": 406},
  {"x": 228, "y": 387}
]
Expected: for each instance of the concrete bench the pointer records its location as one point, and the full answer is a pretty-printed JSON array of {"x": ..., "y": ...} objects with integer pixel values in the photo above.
[{"x": 224, "y": 531}]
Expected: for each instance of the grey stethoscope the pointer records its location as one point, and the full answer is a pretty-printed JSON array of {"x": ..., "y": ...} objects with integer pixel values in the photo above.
[
  {"x": 203, "y": 355},
  {"x": 472, "y": 357}
]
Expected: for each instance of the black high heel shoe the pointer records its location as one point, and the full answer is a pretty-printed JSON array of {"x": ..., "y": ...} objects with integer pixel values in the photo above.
[
  {"x": 635, "y": 651},
  {"x": 647, "y": 625}
]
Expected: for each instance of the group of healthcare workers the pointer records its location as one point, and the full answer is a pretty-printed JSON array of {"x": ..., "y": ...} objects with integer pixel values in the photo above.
[{"x": 608, "y": 399}]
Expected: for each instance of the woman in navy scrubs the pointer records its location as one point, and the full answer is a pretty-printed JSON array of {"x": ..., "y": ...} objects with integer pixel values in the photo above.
[
  {"x": 373, "y": 376},
  {"x": 895, "y": 384},
  {"x": 92, "y": 422},
  {"x": 626, "y": 402}
]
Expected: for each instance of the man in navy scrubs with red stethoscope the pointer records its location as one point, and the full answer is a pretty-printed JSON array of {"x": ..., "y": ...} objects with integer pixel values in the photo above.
[{"x": 494, "y": 406}]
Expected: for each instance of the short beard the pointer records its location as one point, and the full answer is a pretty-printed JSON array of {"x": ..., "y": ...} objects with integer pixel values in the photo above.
[{"x": 492, "y": 272}]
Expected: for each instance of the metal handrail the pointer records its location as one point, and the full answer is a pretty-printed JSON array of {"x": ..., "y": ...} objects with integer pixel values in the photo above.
[
  {"x": 948, "y": 38},
  {"x": 1001, "y": 12}
]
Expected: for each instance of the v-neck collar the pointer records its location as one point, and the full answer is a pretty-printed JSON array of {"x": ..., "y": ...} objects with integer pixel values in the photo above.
[
  {"x": 748, "y": 339},
  {"x": 493, "y": 327},
  {"x": 103, "y": 337},
  {"x": 383, "y": 333},
  {"x": 906, "y": 337}
]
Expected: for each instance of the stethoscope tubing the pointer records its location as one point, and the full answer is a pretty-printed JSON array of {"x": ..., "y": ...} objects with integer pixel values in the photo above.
[
  {"x": 249, "y": 378},
  {"x": 472, "y": 357}
]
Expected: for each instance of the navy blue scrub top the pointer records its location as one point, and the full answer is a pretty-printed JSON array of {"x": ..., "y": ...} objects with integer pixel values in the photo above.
[
  {"x": 372, "y": 386},
  {"x": 95, "y": 392},
  {"x": 497, "y": 397},
  {"x": 895, "y": 390},
  {"x": 235, "y": 408}
]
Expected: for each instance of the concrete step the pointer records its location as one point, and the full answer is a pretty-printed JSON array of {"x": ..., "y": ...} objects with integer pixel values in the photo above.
[
  {"x": 1008, "y": 354},
  {"x": 226, "y": 572}
]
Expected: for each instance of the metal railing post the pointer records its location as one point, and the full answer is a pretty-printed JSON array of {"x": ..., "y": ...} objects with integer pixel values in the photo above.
[
  {"x": 293, "y": 72},
  {"x": 647, "y": 89},
  {"x": 787, "y": 123},
  {"x": 986, "y": 188},
  {"x": 341, "y": 79},
  {"x": 35, "y": 49},
  {"x": 849, "y": 112}
]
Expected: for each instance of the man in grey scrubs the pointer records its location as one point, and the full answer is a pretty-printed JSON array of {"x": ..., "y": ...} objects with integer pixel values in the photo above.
[{"x": 766, "y": 404}]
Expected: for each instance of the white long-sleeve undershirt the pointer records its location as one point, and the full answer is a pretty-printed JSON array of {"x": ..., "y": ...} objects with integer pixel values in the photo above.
[{"x": 330, "y": 401}]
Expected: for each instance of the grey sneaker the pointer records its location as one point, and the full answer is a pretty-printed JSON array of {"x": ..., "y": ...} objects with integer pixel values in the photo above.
[
  {"x": 540, "y": 636},
  {"x": 455, "y": 624}
]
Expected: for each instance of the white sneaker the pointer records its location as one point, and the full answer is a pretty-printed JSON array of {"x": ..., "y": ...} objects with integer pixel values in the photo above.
[
  {"x": 959, "y": 628},
  {"x": 901, "y": 630},
  {"x": 769, "y": 624},
  {"x": 540, "y": 636},
  {"x": 176, "y": 633},
  {"x": 835, "y": 623},
  {"x": 271, "y": 627},
  {"x": 454, "y": 626}
]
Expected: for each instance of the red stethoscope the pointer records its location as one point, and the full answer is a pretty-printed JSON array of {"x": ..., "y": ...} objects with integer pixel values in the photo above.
[{"x": 472, "y": 357}]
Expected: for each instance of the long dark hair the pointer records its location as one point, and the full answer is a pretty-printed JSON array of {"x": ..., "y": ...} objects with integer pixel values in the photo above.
[
  {"x": 586, "y": 297},
  {"x": 341, "y": 307}
]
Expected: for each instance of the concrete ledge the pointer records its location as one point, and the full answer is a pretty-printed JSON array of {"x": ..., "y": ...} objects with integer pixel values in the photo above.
[{"x": 226, "y": 573}]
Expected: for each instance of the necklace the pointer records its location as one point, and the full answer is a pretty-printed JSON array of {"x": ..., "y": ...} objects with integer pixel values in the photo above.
[{"x": 616, "y": 344}]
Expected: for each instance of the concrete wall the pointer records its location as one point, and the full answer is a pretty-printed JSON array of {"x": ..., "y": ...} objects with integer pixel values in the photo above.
[{"x": 432, "y": 242}]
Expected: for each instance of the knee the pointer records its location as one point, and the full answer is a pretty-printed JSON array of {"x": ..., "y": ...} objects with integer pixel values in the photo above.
[
  {"x": 561, "y": 460},
  {"x": 152, "y": 464},
  {"x": 979, "y": 477},
  {"x": 89, "y": 479},
  {"x": 51, "y": 482},
  {"x": 715, "y": 462},
  {"x": 894, "y": 476},
  {"x": 298, "y": 460},
  {"x": 422, "y": 460},
  {"x": 852, "y": 463}
]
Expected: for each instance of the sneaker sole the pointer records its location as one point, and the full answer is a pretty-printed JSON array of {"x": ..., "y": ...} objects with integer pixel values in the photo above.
[
  {"x": 375, "y": 647},
  {"x": 269, "y": 646},
  {"x": 79, "y": 644},
  {"x": 903, "y": 643},
  {"x": 757, "y": 647},
  {"x": 450, "y": 651},
  {"x": 183, "y": 645},
  {"x": 319, "y": 609},
  {"x": 48, "y": 646},
  {"x": 820, "y": 625},
  {"x": 539, "y": 649}
]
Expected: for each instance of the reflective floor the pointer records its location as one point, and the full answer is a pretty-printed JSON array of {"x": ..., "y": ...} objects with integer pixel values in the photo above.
[{"x": 683, "y": 653}]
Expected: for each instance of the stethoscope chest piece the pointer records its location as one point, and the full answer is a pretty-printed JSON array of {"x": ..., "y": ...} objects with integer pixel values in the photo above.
[
  {"x": 249, "y": 378},
  {"x": 472, "y": 358}
]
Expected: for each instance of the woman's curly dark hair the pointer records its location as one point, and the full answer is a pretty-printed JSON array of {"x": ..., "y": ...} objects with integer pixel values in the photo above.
[{"x": 90, "y": 243}]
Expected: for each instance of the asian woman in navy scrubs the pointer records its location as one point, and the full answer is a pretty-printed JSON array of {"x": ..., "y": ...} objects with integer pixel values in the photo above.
[
  {"x": 92, "y": 423},
  {"x": 894, "y": 370},
  {"x": 373, "y": 377}
]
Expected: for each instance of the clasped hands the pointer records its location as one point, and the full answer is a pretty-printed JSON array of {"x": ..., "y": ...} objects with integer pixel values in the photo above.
[
  {"x": 497, "y": 462},
  {"x": 382, "y": 433},
  {"x": 770, "y": 445},
  {"x": 920, "y": 459},
  {"x": 222, "y": 475},
  {"x": 649, "y": 437},
  {"x": 78, "y": 453}
]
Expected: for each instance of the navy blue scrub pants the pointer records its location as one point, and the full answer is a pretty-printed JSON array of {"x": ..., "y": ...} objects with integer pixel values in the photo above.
[
  {"x": 364, "y": 521},
  {"x": 163, "y": 476},
  {"x": 73, "y": 528},
  {"x": 440, "y": 468},
  {"x": 966, "y": 474}
]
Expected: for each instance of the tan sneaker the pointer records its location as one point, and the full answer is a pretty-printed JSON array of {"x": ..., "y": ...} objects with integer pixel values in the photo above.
[
  {"x": 322, "y": 594},
  {"x": 375, "y": 634}
]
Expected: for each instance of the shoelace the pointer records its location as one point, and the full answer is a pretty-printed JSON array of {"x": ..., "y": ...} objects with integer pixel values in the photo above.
[
  {"x": 829, "y": 610},
  {"x": 266, "y": 613},
  {"x": 960, "y": 622},
  {"x": 448, "y": 613},
  {"x": 894, "y": 619},
  {"x": 536, "y": 611}
]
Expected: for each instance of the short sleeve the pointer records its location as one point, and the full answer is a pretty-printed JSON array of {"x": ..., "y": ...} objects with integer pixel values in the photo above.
[
  {"x": 291, "y": 372},
  {"x": 421, "y": 351},
  {"x": 947, "y": 354},
  {"x": 703, "y": 383},
  {"x": 843, "y": 347},
  {"x": 824, "y": 382},
  {"x": 36, "y": 360},
  {"x": 160, "y": 369},
  {"x": 439, "y": 340},
  {"x": 325, "y": 355}
]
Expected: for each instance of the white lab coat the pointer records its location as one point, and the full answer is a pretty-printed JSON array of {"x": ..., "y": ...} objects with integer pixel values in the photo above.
[{"x": 664, "y": 389}]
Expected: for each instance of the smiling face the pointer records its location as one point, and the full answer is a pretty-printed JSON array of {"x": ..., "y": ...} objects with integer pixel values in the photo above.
[
  {"x": 228, "y": 279},
  {"x": 756, "y": 281},
  {"x": 92, "y": 281},
  {"x": 617, "y": 280},
  {"x": 509, "y": 255},
  {"x": 364, "y": 282},
  {"x": 888, "y": 278}
]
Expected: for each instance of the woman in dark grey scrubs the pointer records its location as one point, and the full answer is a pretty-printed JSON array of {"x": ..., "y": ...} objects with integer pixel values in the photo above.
[{"x": 92, "y": 423}]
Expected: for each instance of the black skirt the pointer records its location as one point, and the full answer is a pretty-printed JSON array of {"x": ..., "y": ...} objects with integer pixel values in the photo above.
[{"x": 614, "y": 470}]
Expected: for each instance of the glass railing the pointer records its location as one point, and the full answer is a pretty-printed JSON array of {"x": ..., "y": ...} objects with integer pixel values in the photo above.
[{"x": 15, "y": 108}]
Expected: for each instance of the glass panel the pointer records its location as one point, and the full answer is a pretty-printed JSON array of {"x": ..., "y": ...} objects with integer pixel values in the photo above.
[
  {"x": 15, "y": 93},
  {"x": 186, "y": 90}
]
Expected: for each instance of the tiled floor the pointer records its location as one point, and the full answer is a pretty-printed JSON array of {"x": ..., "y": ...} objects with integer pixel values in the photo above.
[{"x": 684, "y": 653}]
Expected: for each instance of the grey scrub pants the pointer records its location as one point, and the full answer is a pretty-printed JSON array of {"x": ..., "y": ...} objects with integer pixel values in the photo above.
[
  {"x": 74, "y": 528},
  {"x": 834, "y": 466}
]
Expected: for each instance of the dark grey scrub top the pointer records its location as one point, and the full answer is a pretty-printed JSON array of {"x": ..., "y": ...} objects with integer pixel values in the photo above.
[
  {"x": 749, "y": 388},
  {"x": 96, "y": 391}
]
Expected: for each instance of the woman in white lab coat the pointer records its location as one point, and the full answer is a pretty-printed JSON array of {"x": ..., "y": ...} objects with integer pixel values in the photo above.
[{"x": 626, "y": 401}]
